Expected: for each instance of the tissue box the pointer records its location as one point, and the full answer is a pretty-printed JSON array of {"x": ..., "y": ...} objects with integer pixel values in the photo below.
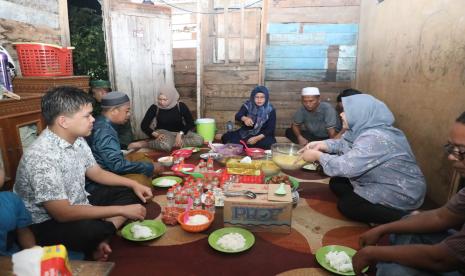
[{"x": 266, "y": 213}]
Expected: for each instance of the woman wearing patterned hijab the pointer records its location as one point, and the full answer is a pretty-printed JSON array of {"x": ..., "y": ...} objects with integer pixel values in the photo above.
[
  {"x": 258, "y": 119},
  {"x": 373, "y": 170},
  {"x": 170, "y": 122}
]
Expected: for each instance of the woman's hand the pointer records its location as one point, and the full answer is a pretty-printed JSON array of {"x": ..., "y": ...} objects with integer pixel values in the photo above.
[
  {"x": 161, "y": 138},
  {"x": 247, "y": 121},
  {"x": 255, "y": 139},
  {"x": 311, "y": 155},
  {"x": 316, "y": 145},
  {"x": 178, "y": 141},
  {"x": 138, "y": 145}
]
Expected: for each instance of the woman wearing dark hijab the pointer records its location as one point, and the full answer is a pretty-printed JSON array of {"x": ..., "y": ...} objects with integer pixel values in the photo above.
[{"x": 258, "y": 119}]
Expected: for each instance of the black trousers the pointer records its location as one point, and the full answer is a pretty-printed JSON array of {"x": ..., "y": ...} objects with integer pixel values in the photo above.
[
  {"x": 310, "y": 137},
  {"x": 85, "y": 235},
  {"x": 80, "y": 235},
  {"x": 102, "y": 195},
  {"x": 357, "y": 208}
]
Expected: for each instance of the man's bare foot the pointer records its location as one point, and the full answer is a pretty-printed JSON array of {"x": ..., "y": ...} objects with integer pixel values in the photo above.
[{"x": 102, "y": 252}]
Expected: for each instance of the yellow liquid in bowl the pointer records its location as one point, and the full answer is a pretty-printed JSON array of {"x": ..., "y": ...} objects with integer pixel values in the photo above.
[{"x": 287, "y": 162}]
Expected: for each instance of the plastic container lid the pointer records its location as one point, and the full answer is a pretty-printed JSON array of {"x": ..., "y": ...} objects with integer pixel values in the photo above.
[{"x": 205, "y": 121}]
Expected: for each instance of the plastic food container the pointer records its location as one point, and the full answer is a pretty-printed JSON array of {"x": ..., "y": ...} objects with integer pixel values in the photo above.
[{"x": 196, "y": 228}]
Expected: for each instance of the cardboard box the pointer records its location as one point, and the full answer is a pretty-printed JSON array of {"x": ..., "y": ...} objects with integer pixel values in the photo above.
[{"x": 266, "y": 213}]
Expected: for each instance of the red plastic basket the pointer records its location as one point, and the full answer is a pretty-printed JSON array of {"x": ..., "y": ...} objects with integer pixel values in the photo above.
[{"x": 38, "y": 59}]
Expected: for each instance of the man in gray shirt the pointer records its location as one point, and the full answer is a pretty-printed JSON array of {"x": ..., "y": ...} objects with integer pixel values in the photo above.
[{"x": 314, "y": 120}]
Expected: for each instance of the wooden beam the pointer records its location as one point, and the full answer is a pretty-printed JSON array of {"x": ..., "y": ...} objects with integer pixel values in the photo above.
[
  {"x": 64, "y": 23},
  {"x": 242, "y": 34},
  {"x": 106, "y": 4},
  {"x": 226, "y": 33},
  {"x": 314, "y": 3},
  {"x": 262, "y": 45}
]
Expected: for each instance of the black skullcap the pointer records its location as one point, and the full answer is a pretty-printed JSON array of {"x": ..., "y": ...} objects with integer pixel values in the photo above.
[{"x": 113, "y": 99}]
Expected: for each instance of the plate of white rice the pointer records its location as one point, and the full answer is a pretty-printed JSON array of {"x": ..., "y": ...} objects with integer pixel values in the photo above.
[
  {"x": 231, "y": 239},
  {"x": 143, "y": 230},
  {"x": 337, "y": 259}
]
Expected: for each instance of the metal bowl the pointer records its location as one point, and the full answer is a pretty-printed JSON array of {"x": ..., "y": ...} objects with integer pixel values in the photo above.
[{"x": 213, "y": 155}]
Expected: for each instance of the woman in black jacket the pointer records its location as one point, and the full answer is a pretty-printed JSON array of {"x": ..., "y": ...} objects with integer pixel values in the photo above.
[{"x": 170, "y": 122}]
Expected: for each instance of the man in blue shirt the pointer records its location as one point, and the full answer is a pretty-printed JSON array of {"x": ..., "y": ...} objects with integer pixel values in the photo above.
[
  {"x": 104, "y": 141},
  {"x": 15, "y": 219}
]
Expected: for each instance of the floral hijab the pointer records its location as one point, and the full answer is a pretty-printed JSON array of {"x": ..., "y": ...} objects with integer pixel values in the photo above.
[{"x": 259, "y": 114}]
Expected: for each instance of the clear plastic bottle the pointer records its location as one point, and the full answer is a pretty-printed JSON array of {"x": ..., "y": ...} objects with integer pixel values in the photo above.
[
  {"x": 170, "y": 202},
  {"x": 202, "y": 166},
  {"x": 210, "y": 164},
  {"x": 210, "y": 202},
  {"x": 229, "y": 126},
  {"x": 197, "y": 205},
  {"x": 199, "y": 185}
]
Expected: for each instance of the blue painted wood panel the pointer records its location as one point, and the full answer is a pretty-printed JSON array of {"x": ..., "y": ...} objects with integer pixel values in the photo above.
[
  {"x": 313, "y": 39},
  {"x": 346, "y": 63},
  {"x": 330, "y": 28},
  {"x": 307, "y": 75},
  {"x": 347, "y": 51},
  {"x": 300, "y": 51},
  {"x": 309, "y": 63},
  {"x": 306, "y": 51},
  {"x": 341, "y": 39},
  {"x": 303, "y": 51},
  {"x": 296, "y": 63},
  {"x": 283, "y": 28}
]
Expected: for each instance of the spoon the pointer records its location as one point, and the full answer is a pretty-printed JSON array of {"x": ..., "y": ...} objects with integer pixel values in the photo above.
[
  {"x": 248, "y": 194},
  {"x": 194, "y": 174},
  {"x": 211, "y": 146},
  {"x": 281, "y": 190},
  {"x": 245, "y": 144}
]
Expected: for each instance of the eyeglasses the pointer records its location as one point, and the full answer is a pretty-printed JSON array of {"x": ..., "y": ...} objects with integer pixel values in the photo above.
[{"x": 457, "y": 151}]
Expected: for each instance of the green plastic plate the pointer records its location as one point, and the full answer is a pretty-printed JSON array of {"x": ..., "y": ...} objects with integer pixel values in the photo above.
[
  {"x": 321, "y": 254},
  {"x": 295, "y": 182},
  {"x": 158, "y": 182},
  {"x": 216, "y": 235},
  {"x": 158, "y": 228}
]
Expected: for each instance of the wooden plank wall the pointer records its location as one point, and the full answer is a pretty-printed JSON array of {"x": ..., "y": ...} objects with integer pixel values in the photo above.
[
  {"x": 144, "y": 31},
  {"x": 184, "y": 31},
  {"x": 225, "y": 88},
  {"x": 309, "y": 43},
  {"x": 29, "y": 21},
  {"x": 411, "y": 56}
]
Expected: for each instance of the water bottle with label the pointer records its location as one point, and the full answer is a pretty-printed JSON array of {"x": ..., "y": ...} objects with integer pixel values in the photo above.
[
  {"x": 5, "y": 77},
  {"x": 229, "y": 126}
]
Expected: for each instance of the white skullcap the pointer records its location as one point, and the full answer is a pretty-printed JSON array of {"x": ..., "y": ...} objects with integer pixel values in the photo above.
[{"x": 310, "y": 91}]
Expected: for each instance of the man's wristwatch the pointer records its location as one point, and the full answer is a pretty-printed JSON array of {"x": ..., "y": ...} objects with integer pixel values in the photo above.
[{"x": 181, "y": 133}]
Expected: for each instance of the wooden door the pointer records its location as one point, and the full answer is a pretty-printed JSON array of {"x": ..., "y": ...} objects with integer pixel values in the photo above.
[{"x": 139, "y": 50}]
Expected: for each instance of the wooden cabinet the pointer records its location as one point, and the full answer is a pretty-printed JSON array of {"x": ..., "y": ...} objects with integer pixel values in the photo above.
[{"x": 18, "y": 118}]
